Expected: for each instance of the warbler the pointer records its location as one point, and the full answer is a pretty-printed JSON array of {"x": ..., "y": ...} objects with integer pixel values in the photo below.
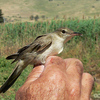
[{"x": 37, "y": 52}]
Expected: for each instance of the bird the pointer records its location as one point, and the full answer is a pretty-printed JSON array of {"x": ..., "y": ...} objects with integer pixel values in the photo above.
[{"x": 37, "y": 52}]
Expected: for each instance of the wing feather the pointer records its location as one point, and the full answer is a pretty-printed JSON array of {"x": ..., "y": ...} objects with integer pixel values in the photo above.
[{"x": 39, "y": 45}]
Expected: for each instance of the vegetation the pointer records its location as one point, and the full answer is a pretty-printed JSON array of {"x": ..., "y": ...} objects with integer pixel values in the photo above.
[
  {"x": 15, "y": 35},
  {"x": 21, "y": 11}
]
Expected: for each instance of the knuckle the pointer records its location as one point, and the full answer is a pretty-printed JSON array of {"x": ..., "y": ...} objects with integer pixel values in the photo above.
[
  {"x": 89, "y": 76},
  {"x": 78, "y": 62},
  {"x": 56, "y": 77},
  {"x": 78, "y": 66}
]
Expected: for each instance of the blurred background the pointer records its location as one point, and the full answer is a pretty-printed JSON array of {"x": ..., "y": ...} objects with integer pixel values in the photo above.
[{"x": 22, "y": 21}]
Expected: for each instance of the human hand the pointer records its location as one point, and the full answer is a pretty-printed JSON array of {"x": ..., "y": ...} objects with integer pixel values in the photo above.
[{"x": 58, "y": 80}]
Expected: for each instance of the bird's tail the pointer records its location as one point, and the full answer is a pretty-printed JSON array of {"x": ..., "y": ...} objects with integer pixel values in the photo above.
[
  {"x": 20, "y": 66},
  {"x": 13, "y": 56}
]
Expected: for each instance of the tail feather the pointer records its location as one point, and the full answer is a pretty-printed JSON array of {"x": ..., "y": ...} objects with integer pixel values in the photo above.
[
  {"x": 13, "y": 56},
  {"x": 13, "y": 77}
]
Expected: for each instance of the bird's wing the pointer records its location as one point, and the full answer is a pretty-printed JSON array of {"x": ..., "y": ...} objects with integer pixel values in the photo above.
[
  {"x": 23, "y": 48},
  {"x": 39, "y": 45}
]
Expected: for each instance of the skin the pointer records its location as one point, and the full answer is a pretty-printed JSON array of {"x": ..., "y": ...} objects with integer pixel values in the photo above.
[{"x": 58, "y": 79}]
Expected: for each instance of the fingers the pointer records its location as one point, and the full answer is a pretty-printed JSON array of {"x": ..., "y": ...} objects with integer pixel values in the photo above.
[
  {"x": 80, "y": 83},
  {"x": 59, "y": 78},
  {"x": 55, "y": 67},
  {"x": 55, "y": 62},
  {"x": 35, "y": 74},
  {"x": 87, "y": 84},
  {"x": 74, "y": 71},
  {"x": 52, "y": 62}
]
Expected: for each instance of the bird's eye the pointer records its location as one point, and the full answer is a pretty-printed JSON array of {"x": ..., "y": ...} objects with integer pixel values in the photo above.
[{"x": 63, "y": 31}]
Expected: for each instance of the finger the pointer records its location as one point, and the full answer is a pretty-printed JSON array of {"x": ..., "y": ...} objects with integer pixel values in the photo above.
[
  {"x": 35, "y": 74},
  {"x": 52, "y": 62},
  {"x": 55, "y": 62},
  {"x": 55, "y": 67},
  {"x": 74, "y": 71},
  {"x": 87, "y": 84},
  {"x": 52, "y": 73}
]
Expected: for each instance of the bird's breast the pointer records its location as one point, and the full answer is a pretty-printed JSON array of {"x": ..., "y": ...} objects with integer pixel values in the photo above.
[{"x": 54, "y": 49}]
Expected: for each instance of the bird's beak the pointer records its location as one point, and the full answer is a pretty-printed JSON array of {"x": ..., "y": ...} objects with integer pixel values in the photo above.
[{"x": 76, "y": 34}]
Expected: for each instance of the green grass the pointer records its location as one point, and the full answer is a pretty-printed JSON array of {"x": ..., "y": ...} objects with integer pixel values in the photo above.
[
  {"x": 89, "y": 28},
  {"x": 6, "y": 69},
  {"x": 14, "y": 36}
]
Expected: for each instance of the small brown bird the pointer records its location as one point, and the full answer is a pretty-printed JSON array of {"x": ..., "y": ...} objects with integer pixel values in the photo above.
[{"x": 37, "y": 52}]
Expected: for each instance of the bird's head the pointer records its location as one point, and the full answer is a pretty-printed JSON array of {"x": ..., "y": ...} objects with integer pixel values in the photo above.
[{"x": 66, "y": 33}]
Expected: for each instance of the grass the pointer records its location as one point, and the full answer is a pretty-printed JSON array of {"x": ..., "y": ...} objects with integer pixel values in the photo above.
[
  {"x": 15, "y": 35},
  {"x": 5, "y": 70}
]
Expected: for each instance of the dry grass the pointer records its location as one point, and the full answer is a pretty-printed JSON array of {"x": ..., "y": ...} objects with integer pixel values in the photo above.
[{"x": 69, "y": 8}]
